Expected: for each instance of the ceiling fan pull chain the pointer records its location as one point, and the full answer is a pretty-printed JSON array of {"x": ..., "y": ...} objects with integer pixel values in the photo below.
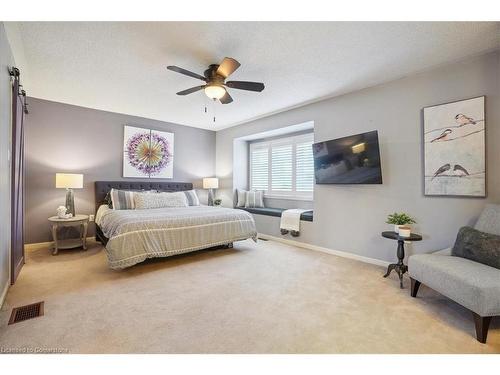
[{"x": 213, "y": 106}]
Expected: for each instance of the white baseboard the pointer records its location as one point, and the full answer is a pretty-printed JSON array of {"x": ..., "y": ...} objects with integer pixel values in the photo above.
[
  {"x": 343, "y": 254},
  {"x": 44, "y": 245},
  {"x": 4, "y": 292}
]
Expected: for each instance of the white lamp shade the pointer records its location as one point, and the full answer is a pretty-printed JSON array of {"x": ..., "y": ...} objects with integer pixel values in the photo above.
[
  {"x": 69, "y": 180},
  {"x": 211, "y": 183}
]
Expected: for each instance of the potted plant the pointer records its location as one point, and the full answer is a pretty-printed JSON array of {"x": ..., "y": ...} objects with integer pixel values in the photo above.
[
  {"x": 217, "y": 202},
  {"x": 400, "y": 220}
]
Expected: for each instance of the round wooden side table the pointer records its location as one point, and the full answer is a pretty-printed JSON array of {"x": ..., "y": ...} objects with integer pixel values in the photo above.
[
  {"x": 400, "y": 267},
  {"x": 78, "y": 220}
]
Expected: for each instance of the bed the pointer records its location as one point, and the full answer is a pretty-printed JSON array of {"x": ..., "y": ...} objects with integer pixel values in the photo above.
[{"x": 132, "y": 236}]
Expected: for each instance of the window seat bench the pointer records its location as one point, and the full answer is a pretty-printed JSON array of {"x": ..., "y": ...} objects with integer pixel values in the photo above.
[{"x": 269, "y": 211}]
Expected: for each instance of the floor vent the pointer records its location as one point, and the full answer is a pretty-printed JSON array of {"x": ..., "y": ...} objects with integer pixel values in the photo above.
[
  {"x": 262, "y": 239},
  {"x": 22, "y": 313}
]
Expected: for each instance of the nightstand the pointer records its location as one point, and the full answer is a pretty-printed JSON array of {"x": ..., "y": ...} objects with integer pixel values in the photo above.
[
  {"x": 81, "y": 221},
  {"x": 400, "y": 267}
]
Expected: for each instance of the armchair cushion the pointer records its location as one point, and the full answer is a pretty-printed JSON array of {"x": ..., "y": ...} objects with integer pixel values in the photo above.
[{"x": 446, "y": 251}]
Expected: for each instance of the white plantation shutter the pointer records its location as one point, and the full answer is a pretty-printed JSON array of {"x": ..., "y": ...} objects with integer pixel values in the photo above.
[
  {"x": 304, "y": 167},
  {"x": 259, "y": 168},
  {"x": 281, "y": 168}
]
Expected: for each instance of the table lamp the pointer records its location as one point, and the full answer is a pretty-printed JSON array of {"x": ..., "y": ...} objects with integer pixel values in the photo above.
[
  {"x": 69, "y": 181},
  {"x": 210, "y": 183}
]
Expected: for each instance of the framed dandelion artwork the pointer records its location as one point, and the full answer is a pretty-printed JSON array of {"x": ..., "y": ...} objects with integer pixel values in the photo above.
[
  {"x": 454, "y": 148},
  {"x": 147, "y": 153}
]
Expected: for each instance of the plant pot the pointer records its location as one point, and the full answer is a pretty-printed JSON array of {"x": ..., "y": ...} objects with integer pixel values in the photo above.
[
  {"x": 404, "y": 231},
  {"x": 396, "y": 227}
]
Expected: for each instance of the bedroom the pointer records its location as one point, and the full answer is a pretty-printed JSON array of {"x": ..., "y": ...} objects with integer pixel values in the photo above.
[{"x": 250, "y": 214}]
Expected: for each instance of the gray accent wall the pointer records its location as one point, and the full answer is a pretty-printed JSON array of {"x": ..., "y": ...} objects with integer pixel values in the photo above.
[
  {"x": 351, "y": 218},
  {"x": 72, "y": 139},
  {"x": 6, "y": 61}
]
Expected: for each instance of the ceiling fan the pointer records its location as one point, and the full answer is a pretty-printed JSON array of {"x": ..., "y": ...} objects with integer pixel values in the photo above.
[{"x": 215, "y": 77}]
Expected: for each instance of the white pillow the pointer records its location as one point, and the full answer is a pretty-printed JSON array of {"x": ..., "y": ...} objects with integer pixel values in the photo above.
[
  {"x": 254, "y": 199},
  {"x": 159, "y": 200},
  {"x": 242, "y": 198}
]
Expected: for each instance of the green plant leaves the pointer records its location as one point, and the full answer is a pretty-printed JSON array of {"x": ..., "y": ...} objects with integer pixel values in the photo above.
[{"x": 400, "y": 219}]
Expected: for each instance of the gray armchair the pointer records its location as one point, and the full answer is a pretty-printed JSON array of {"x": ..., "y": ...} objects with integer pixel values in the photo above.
[{"x": 473, "y": 285}]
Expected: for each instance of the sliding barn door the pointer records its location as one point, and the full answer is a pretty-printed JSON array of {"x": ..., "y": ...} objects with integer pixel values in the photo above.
[{"x": 17, "y": 180}]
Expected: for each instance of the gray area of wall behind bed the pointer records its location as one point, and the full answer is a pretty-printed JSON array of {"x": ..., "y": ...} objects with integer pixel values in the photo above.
[{"x": 67, "y": 138}]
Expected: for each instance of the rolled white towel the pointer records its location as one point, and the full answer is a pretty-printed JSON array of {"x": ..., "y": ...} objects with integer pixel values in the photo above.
[{"x": 290, "y": 219}]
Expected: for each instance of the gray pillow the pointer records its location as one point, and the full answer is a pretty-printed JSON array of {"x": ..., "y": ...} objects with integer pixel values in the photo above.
[
  {"x": 192, "y": 197},
  {"x": 478, "y": 246},
  {"x": 242, "y": 198},
  {"x": 122, "y": 199}
]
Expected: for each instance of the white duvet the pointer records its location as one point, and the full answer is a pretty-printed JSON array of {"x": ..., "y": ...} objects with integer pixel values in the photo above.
[{"x": 135, "y": 235}]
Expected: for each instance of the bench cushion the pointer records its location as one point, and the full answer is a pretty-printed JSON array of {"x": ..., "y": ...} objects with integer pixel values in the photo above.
[
  {"x": 269, "y": 211},
  {"x": 471, "y": 284}
]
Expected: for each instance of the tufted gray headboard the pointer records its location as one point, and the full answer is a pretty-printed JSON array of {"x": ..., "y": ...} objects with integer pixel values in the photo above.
[{"x": 102, "y": 187}]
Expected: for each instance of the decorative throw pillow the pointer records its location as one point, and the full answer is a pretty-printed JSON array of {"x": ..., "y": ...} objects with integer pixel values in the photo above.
[
  {"x": 242, "y": 198},
  {"x": 192, "y": 198},
  {"x": 478, "y": 246},
  {"x": 160, "y": 200},
  {"x": 254, "y": 199},
  {"x": 122, "y": 199}
]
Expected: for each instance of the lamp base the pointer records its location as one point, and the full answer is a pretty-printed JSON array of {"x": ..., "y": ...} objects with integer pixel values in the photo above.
[
  {"x": 70, "y": 202},
  {"x": 210, "y": 197}
]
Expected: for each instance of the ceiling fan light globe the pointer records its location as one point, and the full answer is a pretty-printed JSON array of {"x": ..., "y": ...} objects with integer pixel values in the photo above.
[{"x": 215, "y": 91}]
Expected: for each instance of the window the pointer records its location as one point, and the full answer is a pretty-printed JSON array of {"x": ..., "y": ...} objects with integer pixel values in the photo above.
[
  {"x": 283, "y": 167},
  {"x": 260, "y": 168}
]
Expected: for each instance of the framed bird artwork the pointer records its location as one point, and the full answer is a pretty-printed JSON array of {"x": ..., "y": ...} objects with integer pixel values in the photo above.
[{"x": 455, "y": 148}]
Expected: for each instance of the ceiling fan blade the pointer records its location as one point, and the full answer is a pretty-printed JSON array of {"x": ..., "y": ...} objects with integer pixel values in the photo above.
[
  {"x": 227, "y": 67},
  {"x": 246, "y": 85},
  {"x": 226, "y": 99},
  {"x": 185, "y": 72},
  {"x": 191, "y": 90}
]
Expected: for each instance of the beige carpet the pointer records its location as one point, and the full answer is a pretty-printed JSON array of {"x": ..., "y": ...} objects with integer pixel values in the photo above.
[{"x": 255, "y": 298}]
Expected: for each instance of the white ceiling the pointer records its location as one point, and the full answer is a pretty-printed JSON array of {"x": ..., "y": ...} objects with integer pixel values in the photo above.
[{"x": 121, "y": 67}]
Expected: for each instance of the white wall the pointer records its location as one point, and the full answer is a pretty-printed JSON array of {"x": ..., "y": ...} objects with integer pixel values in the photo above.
[
  {"x": 350, "y": 218},
  {"x": 6, "y": 60}
]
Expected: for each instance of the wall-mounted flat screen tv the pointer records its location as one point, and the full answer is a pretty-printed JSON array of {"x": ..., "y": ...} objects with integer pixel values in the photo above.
[{"x": 349, "y": 160}]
